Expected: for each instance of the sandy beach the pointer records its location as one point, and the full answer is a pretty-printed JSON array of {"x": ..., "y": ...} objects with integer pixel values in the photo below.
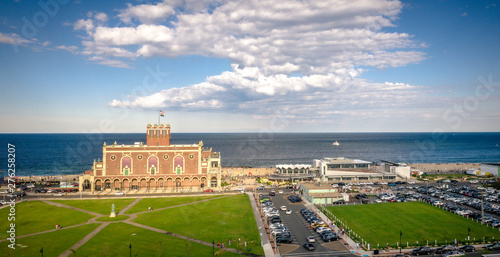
[{"x": 266, "y": 171}]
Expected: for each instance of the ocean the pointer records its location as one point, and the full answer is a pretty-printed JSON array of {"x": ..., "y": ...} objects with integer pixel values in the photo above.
[{"x": 57, "y": 154}]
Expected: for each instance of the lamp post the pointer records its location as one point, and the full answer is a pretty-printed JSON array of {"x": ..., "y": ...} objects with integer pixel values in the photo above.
[
  {"x": 468, "y": 235},
  {"x": 130, "y": 248},
  {"x": 213, "y": 247},
  {"x": 400, "y": 246}
]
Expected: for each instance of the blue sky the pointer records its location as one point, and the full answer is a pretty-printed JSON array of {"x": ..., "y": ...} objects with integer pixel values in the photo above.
[{"x": 250, "y": 66}]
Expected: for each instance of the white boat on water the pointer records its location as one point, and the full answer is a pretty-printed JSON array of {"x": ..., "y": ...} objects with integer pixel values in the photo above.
[{"x": 336, "y": 143}]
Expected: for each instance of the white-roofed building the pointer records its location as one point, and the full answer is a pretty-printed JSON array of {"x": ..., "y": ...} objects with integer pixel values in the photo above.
[{"x": 344, "y": 169}]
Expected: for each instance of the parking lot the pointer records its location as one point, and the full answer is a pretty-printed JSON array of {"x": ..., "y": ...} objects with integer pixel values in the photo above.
[{"x": 298, "y": 226}]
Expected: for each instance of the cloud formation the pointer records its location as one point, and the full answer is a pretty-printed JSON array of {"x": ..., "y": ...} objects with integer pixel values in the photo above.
[{"x": 288, "y": 53}]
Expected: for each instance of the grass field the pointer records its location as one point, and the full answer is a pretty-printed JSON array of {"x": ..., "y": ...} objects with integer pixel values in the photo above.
[
  {"x": 36, "y": 216},
  {"x": 382, "y": 223},
  {"x": 163, "y": 202},
  {"x": 215, "y": 220},
  {"x": 53, "y": 243},
  {"x": 101, "y": 206},
  {"x": 219, "y": 220},
  {"x": 115, "y": 239}
]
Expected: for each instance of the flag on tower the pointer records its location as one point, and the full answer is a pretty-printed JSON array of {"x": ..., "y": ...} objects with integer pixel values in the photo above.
[{"x": 162, "y": 114}]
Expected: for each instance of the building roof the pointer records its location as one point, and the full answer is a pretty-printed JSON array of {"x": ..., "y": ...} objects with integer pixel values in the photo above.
[
  {"x": 313, "y": 186},
  {"x": 326, "y": 195},
  {"x": 293, "y": 166},
  {"x": 343, "y": 160},
  {"x": 492, "y": 163}
]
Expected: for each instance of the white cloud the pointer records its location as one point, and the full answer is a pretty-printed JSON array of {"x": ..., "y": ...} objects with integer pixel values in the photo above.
[
  {"x": 81, "y": 24},
  {"x": 146, "y": 13},
  {"x": 71, "y": 49},
  {"x": 303, "y": 55},
  {"x": 101, "y": 17}
]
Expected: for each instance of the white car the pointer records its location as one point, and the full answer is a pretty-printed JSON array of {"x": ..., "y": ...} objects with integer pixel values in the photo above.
[
  {"x": 58, "y": 194},
  {"x": 283, "y": 208},
  {"x": 280, "y": 192},
  {"x": 311, "y": 239},
  {"x": 239, "y": 189},
  {"x": 411, "y": 182},
  {"x": 378, "y": 201},
  {"x": 119, "y": 193},
  {"x": 288, "y": 211}
]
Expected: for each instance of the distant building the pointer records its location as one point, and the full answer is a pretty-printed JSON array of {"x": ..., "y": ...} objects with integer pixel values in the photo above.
[
  {"x": 317, "y": 193},
  {"x": 400, "y": 169},
  {"x": 157, "y": 165},
  {"x": 490, "y": 169},
  {"x": 344, "y": 169},
  {"x": 292, "y": 172}
]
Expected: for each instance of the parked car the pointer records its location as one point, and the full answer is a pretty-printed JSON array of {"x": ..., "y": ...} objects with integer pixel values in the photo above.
[
  {"x": 309, "y": 246},
  {"x": 283, "y": 208},
  {"x": 261, "y": 188},
  {"x": 311, "y": 239},
  {"x": 119, "y": 193},
  {"x": 445, "y": 249},
  {"x": 467, "y": 248},
  {"x": 494, "y": 246},
  {"x": 58, "y": 194},
  {"x": 423, "y": 250},
  {"x": 288, "y": 211},
  {"x": 453, "y": 254},
  {"x": 209, "y": 190}
]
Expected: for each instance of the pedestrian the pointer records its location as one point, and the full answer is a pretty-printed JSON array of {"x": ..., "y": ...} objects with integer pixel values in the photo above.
[
  {"x": 218, "y": 244},
  {"x": 229, "y": 242},
  {"x": 368, "y": 246},
  {"x": 357, "y": 245},
  {"x": 223, "y": 245}
]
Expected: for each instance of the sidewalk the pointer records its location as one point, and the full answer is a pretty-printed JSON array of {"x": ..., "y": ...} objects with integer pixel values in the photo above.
[{"x": 266, "y": 244}]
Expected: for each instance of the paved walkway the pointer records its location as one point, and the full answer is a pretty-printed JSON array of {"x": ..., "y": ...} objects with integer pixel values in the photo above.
[
  {"x": 132, "y": 216},
  {"x": 266, "y": 244},
  {"x": 83, "y": 240}
]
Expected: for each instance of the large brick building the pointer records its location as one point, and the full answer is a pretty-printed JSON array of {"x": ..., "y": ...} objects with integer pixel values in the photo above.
[{"x": 157, "y": 165}]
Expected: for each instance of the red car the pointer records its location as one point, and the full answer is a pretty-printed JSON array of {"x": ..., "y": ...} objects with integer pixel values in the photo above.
[{"x": 209, "y": 190}]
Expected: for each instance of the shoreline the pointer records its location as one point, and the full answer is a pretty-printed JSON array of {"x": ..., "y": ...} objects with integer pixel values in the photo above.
[{"x": 442, "y": 168}]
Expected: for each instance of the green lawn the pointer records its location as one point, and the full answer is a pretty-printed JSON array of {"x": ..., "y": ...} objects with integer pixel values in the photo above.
[
  {"x": 115, "y": 239},
  {"x": 53, "y": 243},
  {"x": 381, "y": 223},
  {"x": 109, "y": 219},
  {"x": 163, "y": 202},
  {"x": 219, "y": 220},
  {"x": 37, "y": 216},
  {"x": 101, "y": 206}
]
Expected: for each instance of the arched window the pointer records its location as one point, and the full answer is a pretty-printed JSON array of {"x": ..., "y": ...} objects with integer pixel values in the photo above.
[{"x": 178, "y": 164}]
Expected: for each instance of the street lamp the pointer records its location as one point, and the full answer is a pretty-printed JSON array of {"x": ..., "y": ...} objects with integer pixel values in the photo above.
[
  {"x": 468, "y": 235},
  {"x": 400, "y": 246}
]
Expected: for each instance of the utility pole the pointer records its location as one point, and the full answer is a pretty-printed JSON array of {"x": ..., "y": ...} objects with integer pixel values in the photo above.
[{"x": 482, "y": 207}]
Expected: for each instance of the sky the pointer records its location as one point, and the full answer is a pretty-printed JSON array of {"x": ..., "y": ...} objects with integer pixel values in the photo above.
[{"x": 250, "y": 66}]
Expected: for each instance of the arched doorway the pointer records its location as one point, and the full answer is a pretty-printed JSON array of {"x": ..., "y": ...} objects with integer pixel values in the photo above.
[
  {"x": 107, "y": 184},
  {"x": 126, "y": 184},
  {"x": 161, "y": 183},
  {"x": 213, "y": 182},
  {"x": 86, "y": 184},
  {"x": 135, "y": 184},
  {"x": 203, "y": 182},
  {"x": 152, "y": 183},
  {"x": 178, "y": 183},
  {"x": 195, "y": 183},
  {"x": 116, "y": 184},
  {"x": 98, "y": 185},
  {"x": 186, "y": 183},
  {"x": 143, "y": 184},
  {"x": 170, "y": 183}
]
